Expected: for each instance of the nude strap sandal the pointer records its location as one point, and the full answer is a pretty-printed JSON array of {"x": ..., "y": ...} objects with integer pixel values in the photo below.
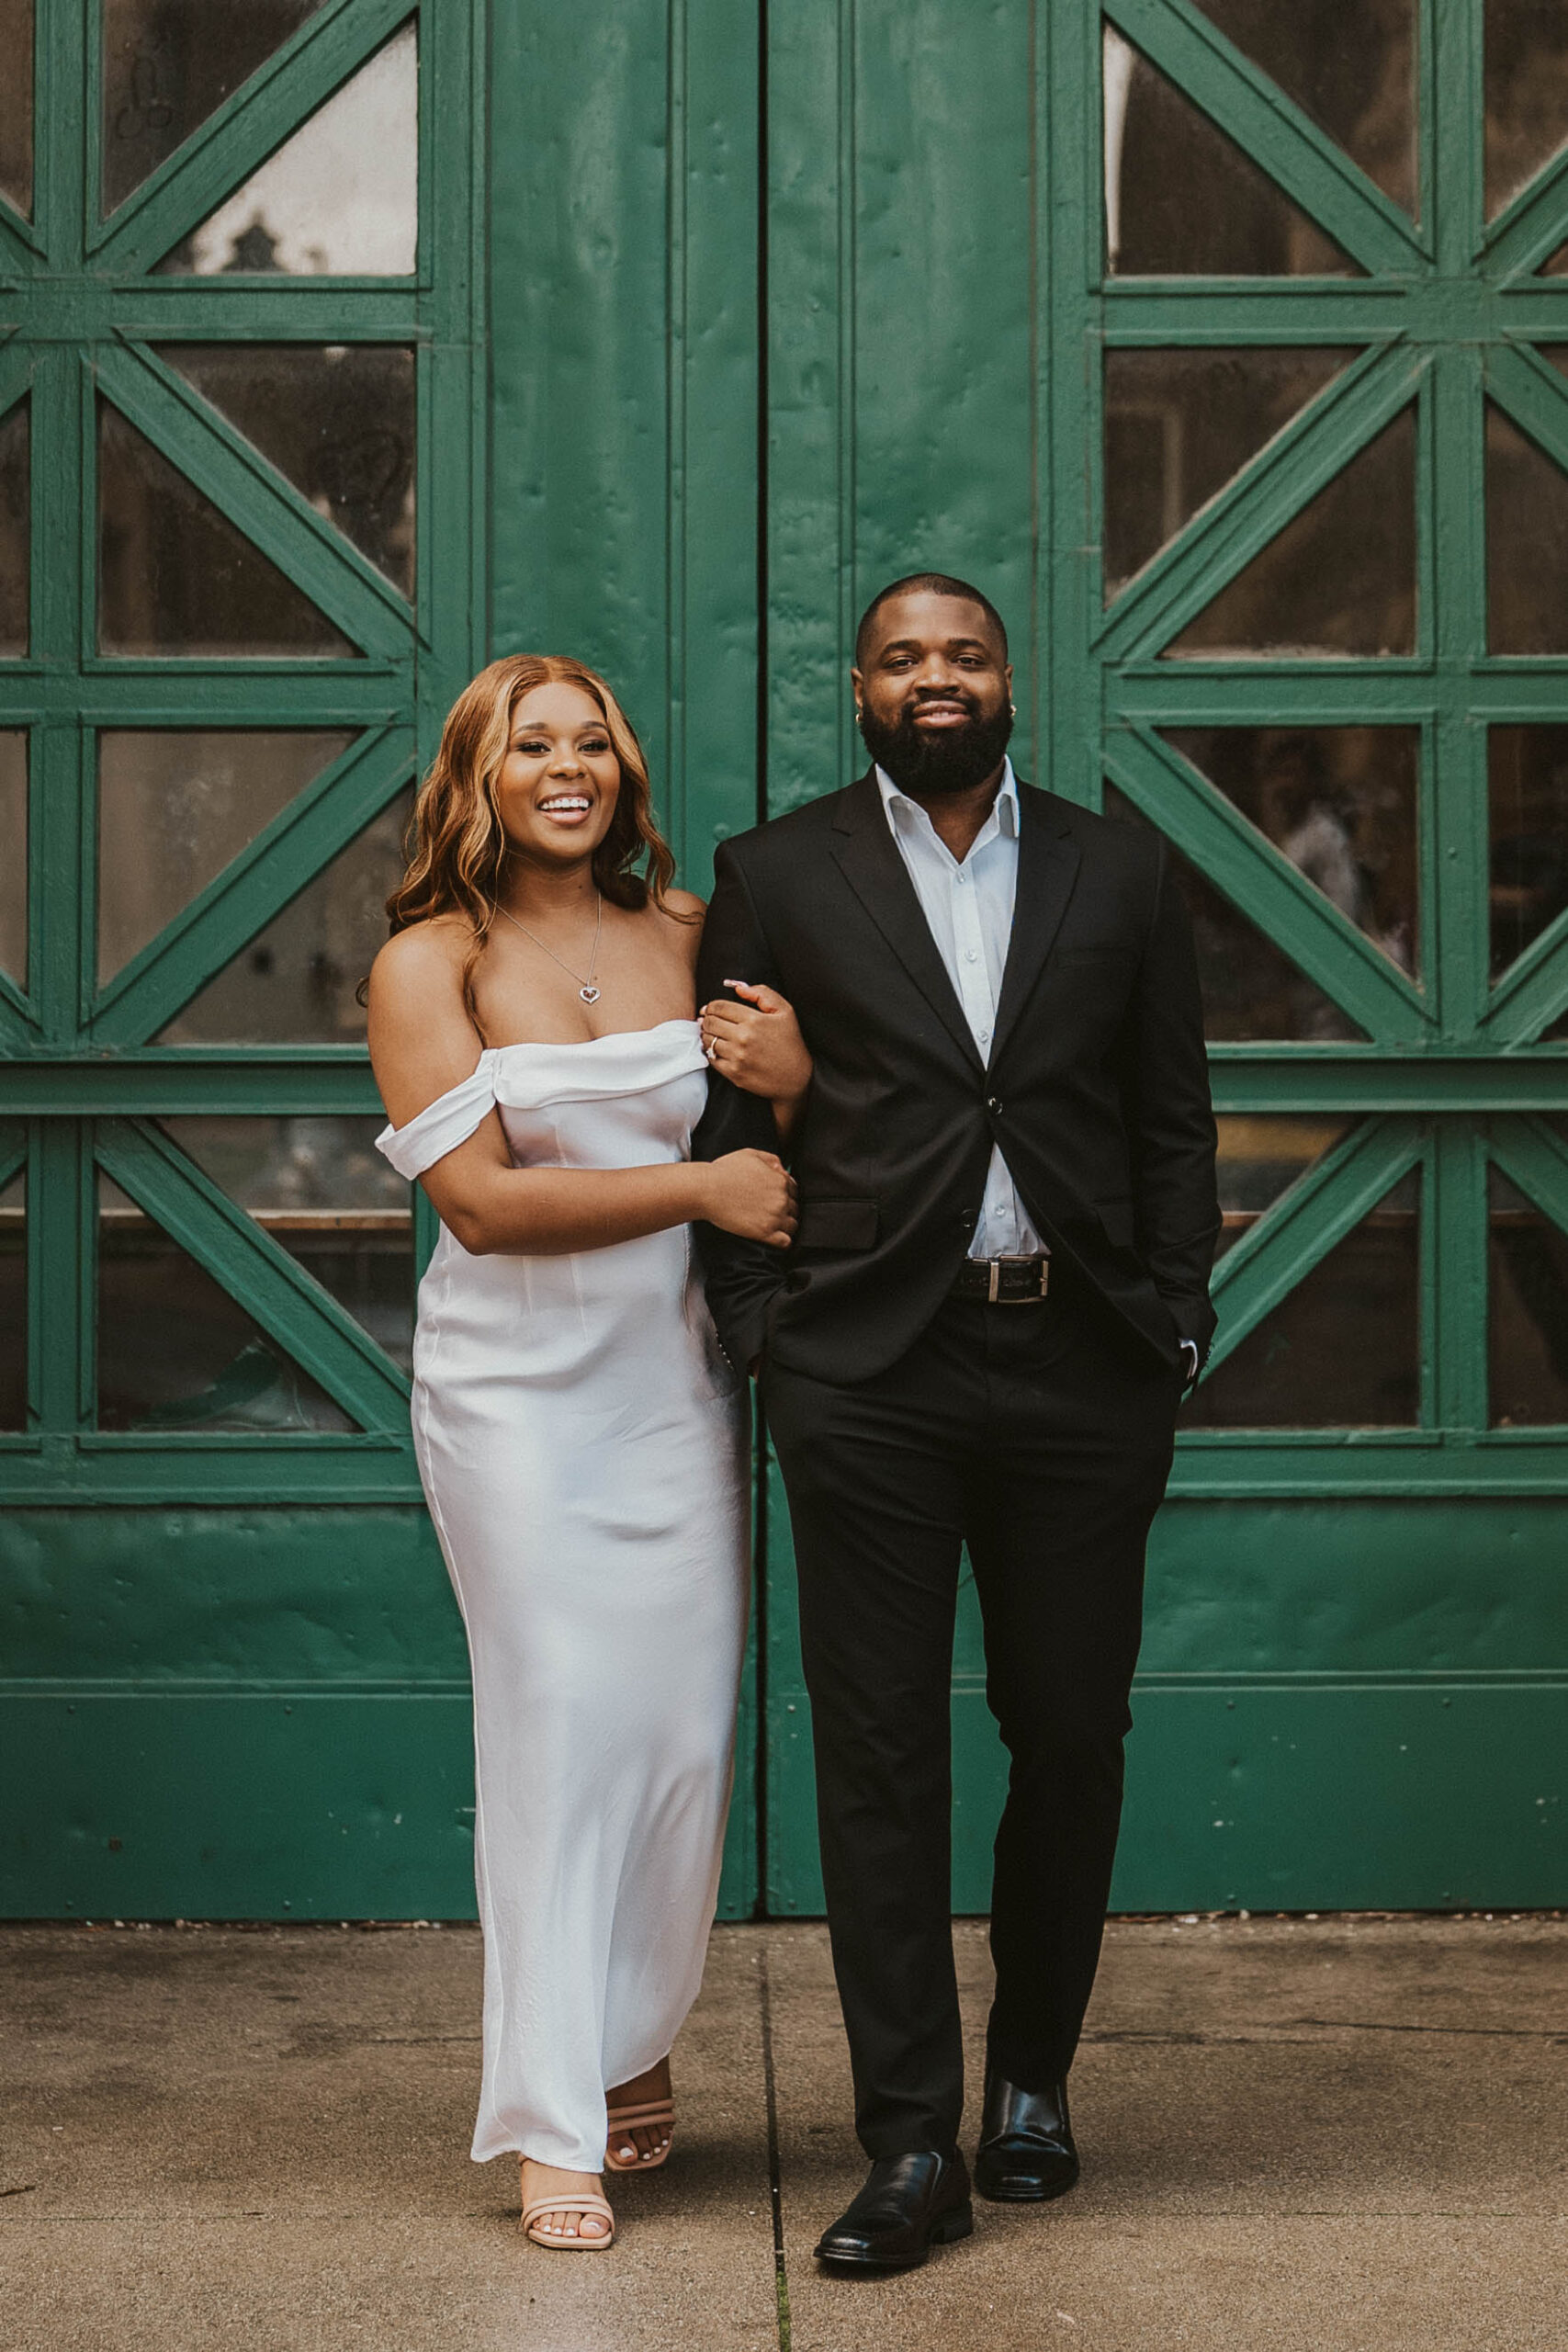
[
  {"x": 639, "y": 2119},
  {"x": 584, "y": 2201}
]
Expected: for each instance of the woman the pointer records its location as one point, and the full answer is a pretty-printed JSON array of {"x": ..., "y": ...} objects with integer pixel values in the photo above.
[{"x": 580, "y": 1437}]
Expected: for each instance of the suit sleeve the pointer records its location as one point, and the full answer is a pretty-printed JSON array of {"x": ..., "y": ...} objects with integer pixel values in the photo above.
[
  {"x": 742, "y": 1278},
  {"x": 1172, "y": 1121}
]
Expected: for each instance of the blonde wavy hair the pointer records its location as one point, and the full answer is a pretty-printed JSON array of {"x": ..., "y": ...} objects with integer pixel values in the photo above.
[{"x": 456, "y": 843}]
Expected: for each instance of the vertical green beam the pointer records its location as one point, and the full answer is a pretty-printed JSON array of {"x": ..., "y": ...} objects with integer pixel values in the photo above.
[
  {"x": 62, "y": 1267},
  {"x": 1067, "y": 212},
  {"x": 1454, "y": 1277}
]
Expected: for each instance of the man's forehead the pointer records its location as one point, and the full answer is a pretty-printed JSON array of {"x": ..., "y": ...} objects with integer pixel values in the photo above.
[{"x": 926, "y": 617}]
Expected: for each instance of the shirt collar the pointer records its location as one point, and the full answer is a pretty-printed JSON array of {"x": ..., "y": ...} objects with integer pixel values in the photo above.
[{"x": 1003, "y": 817}]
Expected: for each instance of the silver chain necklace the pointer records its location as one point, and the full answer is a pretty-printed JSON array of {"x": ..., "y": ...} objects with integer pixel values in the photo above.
[{"x": 585, "y": 988}]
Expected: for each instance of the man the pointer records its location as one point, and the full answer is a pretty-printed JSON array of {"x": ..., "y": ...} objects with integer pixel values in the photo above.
[{"x": 997, "y": 1295}]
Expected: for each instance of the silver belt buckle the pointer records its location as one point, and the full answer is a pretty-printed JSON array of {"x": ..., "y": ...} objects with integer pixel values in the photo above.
[{"x": 994, "y": 1286}]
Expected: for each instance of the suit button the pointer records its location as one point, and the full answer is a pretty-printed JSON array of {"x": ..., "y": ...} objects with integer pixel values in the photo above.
[{"x": 994, "y": 1107}]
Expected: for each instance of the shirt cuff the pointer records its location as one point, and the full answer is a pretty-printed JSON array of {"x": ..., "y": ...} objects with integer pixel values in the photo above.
[{"x": 1189, "y": 1357}]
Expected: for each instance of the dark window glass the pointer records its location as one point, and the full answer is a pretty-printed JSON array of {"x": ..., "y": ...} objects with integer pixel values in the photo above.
[
  {"x": 321, "y": 1188},
  {"x": 1251, "y": 990},
  {"x": 1182, "y": 200},
  {"x": 1339, "y": 803},
  {"x": 13, "y": 1303},
  {"x": 296, "y": 982},
  {"x": 1350, "y": 64},
  {"x": 168, "y": 64},
  {"x": 1340, "y": 577},
  {"x": 1527, "y": 790},
  {"x": 17, "y": 105},
  {"x": 1341, "y": 1351},
  {"x": 16, "y": 475},
  {"x": 1528, "y": 1318},
  {"x": 175, "y": 576},
  {"x": 1526, "y": 543},
  {"x": 174, "y": 808},
  {"x": 338, "y": 420},
  {"x": 1260, "y": 1156},
  {"x": 1526, "y": 93},
  {"x": 1180, "y": 424},
  {"x": 176, "y": 1352},
  {"x": 340, "y": 197}
]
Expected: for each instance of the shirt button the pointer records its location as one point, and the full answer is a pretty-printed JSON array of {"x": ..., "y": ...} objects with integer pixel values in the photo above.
[
  {"x": 971, "y": 956},
  {"x": 985, "y": 1036}
]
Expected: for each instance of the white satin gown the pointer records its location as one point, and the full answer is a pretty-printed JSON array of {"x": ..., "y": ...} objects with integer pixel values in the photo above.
[{"x": 581, "y": 1442}]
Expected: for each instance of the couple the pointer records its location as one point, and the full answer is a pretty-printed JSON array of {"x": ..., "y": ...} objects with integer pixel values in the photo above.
[{"x": 962, "y": 1016}]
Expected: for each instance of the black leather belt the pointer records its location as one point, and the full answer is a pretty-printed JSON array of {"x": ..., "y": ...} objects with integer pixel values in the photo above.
[{"x": 1003, "y": 1282}]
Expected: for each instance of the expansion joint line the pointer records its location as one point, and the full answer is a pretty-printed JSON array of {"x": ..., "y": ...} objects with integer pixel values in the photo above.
[{"x": 775, "y": 2186}]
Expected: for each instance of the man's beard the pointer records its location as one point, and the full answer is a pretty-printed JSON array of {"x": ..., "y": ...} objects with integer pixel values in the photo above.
[{"x": 928, "y": 763}]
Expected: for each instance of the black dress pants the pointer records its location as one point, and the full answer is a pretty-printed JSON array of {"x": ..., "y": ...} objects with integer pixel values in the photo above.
[{"x": 1042, "y": 1436}]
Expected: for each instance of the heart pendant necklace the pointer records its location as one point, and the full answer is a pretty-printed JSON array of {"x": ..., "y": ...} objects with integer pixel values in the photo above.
[{"x": 585, "y": 988}]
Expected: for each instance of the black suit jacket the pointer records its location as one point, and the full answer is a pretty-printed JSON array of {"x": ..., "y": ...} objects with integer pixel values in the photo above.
[{"x": 1097, "y": 1088}]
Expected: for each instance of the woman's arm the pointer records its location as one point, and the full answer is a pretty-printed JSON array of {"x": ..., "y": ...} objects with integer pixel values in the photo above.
[
  {"x": 423, "y": 1043},
  {"x": 758, "y": 1047}
]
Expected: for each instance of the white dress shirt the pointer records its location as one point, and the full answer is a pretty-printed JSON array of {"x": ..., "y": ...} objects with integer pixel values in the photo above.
[{"x": 969, "y": 909}]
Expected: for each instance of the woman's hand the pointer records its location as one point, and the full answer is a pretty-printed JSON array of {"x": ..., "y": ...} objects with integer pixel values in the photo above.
[
  {"x": 752, "y": 1193},
  {"x": 758, "y": 1047}
]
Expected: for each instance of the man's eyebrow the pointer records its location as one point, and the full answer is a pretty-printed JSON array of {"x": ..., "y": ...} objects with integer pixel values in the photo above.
[{"x": 951, "y": 645}]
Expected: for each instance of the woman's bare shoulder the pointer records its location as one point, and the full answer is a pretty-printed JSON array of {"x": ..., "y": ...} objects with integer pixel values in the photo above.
[
  {"x": 680, "y": 917},
  {"x": 426, "y": 955}
]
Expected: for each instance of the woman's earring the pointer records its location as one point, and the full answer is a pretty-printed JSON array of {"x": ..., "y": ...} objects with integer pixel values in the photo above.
[{"x": 1013, "y": 707}]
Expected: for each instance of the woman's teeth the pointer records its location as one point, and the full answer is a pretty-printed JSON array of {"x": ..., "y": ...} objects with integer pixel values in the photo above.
[{"x": 568, "y": 804}]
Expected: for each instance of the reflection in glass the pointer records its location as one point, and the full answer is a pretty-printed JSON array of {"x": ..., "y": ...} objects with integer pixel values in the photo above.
[
  {"x": 13, "y": 1303},
  {"x": 168, "y": 64},
  {"x": 1340, "y": 1351},
  {"x": 295, "y": 983},
  {"x": 17, "y": 105},
  {"x": 1260, "y": 1158},
  {"x": 176, "y": 1352},
  {"x": 1557, "y": 266},
  {"x": 174, "y": 575},
  {"x": 1340, "y": 577},
  {"x": 174, "y": 808},
  {"x": 15, "y": 474},
  {"x": 321, "y": 1188},
  {"x": 1526, "y": 1327},
  {"x": 1251, "y": 990},
  {"x": 1526, "y": 93},
  {"x": 1182, "y": 424},
  {"x": 340, "y": 198},
  {"x": 14, "y": 858},
  {"x": 1527, "y": 776},
  {"x": 1350, "y": 64},
  {"x": 1338, "y": 803},
  {"x": 1526, "y": 543},
  {"x": 337, "y": 419},
  {"x": 1182, "y": 200}
]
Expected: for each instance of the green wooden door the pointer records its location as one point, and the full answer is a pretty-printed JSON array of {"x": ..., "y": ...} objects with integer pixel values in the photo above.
[{"x": 1225, "y": 345}]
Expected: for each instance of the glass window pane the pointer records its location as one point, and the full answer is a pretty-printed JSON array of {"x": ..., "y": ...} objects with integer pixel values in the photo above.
[
  {"x": 1558, "y": 265},
  {"x": 1339, "y": 803},
  {"x": 168, "y": 64},
  {"x": 17, "y": 105},
  {"x": 342, "y": 198},
  {"x": 1182, "y": 200},
  {"x": 1526, "y": 543},
  {"x": 174, "y": 808},
  {"x": 297, "y": 981},
  {"x": 175, "y": 576},
  {"x": 321, "y": 1188},
  {"x": 15, "y": 474},
  {"x": 1350, "y": 64},
  {"x": 1180, "y": 424},
  {"x": 1528, "y": 1311},
  {"x": 176, "y": 1352},
  {"x": 14, "y": 864},
  {"x": 1260, "y": 1158},
  {"x": 1341, "y": 1350},
  {"x": 14, "y": 1304},
  {"x": 337, "y": 419},
  {"x": 1251, "y": 990},
  {"x": 1526, "y": 93},
  {"x": 1527, "y": 792},
  {"x": 1340, "y": 577}
]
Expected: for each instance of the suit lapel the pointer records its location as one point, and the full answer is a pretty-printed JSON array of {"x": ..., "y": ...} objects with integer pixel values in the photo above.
[
  {"x": 1048, "y": 861},
  {"x": 863, "y": 845}
]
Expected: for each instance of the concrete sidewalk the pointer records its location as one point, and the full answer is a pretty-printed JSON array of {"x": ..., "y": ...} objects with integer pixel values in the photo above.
[{"x": 1343, "y": 2134}]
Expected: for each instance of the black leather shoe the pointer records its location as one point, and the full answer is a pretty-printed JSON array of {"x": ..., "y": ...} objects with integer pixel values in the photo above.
[
  {"x": 908, "y": 2205},
  {"x": 1026, "y": 2153}
]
